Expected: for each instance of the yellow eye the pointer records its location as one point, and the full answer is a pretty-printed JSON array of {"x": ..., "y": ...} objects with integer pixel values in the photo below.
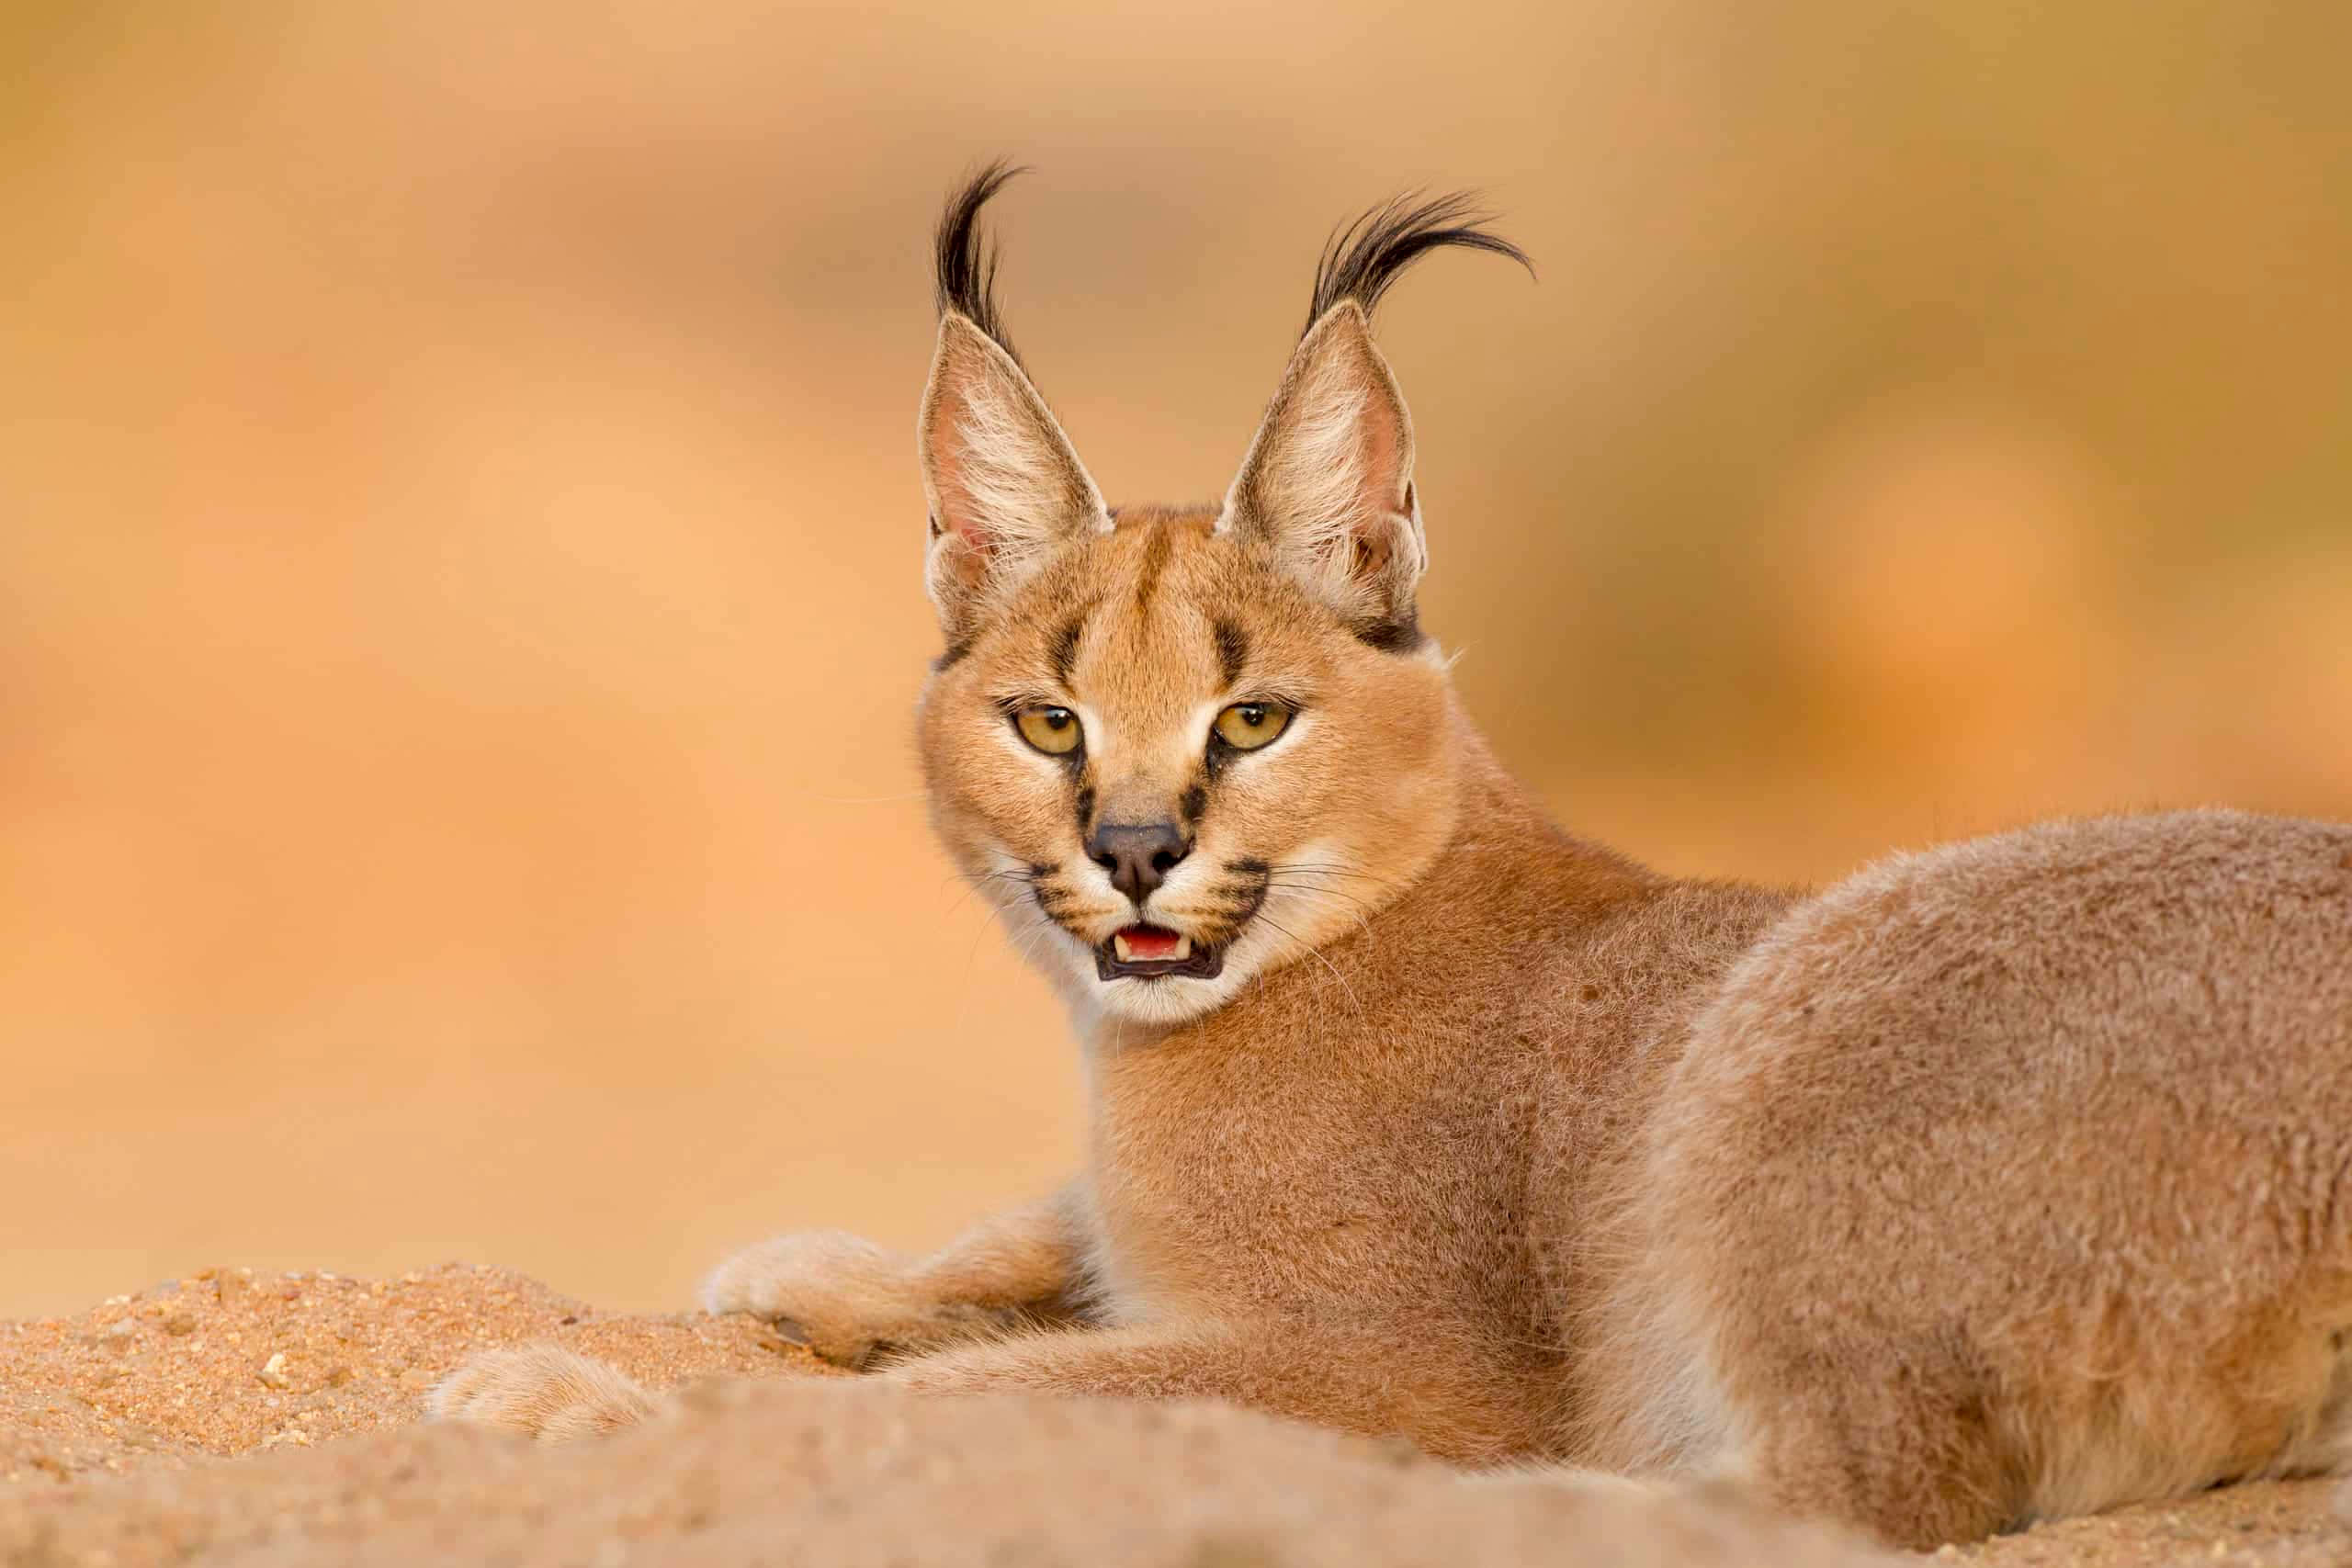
[
  {"x": 1245, "y": 727},
  {"x": 1054, "y": 731}
]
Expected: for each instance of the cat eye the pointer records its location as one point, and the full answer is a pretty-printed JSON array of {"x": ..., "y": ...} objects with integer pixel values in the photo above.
[
  {"x": 1245, "y": 727},
  {"x": 1054, "y": 731}
]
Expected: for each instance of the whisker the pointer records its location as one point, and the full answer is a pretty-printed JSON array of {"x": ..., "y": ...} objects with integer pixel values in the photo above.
[
  {"x": 1320, "y": 891},
  {"x": 1311, "y": 869},
  {"x": 972, "y": 883},
  {"x": 1353, "y": 999},
  {"x": 1357, "y": 914},
  {"x": 972, "y": 956},
  {"x": 1029, "y": 935}
]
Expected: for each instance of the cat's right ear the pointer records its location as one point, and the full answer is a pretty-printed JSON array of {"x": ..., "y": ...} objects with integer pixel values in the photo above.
[{"x": 1005, "y": 487}]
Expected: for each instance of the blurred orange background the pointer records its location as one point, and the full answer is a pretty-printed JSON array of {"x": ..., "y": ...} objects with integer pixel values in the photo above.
[{"x": 461, "y": 539}]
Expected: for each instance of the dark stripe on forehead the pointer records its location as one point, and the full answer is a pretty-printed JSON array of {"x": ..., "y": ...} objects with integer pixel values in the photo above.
[
  {"x": 1156, "y": 548},
  {"x": 1232, "y": 649},
  {"x": 1063, "y": 655},
  {"x": 1402, "y": 635}
]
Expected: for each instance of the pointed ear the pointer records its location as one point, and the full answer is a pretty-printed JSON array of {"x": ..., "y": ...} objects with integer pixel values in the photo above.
[
  {"x": 1328, "y": 481},
  {"x": 1005, "y": 487}
]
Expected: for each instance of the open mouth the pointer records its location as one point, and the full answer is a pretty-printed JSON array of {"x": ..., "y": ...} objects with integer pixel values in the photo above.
[{"x": 1150, "y": 952}]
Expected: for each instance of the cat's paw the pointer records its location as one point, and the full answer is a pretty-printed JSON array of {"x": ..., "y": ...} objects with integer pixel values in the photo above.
[
  {"x": 542, "y": 1390},
  {"x": 844, "y": 1298}
]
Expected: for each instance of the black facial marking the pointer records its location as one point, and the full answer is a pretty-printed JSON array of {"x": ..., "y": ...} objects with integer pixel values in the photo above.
[
  {"x": 1195, "y": 801},
  {"x": 1232, "y": 650},
  {"x": 1085, "y": 811},
  {"x": 951, "y": 654},
  {"x": 1063, "y": 655},
  {"x": 1401, "y": 635},
  {"x": 1244, "y": 893}
]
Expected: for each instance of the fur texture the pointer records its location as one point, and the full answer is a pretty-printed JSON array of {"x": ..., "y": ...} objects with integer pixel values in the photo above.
[{"x": 1992, "y": 1183}]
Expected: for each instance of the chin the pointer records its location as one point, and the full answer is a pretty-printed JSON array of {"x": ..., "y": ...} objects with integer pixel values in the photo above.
[{"x": 1169, "y": 999}]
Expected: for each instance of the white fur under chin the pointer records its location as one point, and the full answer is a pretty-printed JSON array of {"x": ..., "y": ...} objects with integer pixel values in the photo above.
[{"x": 1171, "y": 1000}]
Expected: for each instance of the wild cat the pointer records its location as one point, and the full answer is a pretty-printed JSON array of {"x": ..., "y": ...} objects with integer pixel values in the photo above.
[{"x": 1998, "y": 1182}]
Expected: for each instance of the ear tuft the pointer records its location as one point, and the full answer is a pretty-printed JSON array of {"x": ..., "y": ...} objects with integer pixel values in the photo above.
[
  {"x": 1328, "y": 481},
  {"x": 1367, "y": 256},
  {"x": 964, "y": 258}
]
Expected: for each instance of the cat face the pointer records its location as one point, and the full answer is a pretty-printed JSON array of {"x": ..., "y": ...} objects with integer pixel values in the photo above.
[
  {"x": 1172, "y": 767},
  {"x": 1181, "y": 747}
]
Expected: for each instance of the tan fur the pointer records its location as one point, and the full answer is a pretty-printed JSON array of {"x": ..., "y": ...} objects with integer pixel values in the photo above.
[
  {"x": 544, "y": 1390},
  {"x": 1996, "y": 1182},
  {"x": 848, "y": 1300}
]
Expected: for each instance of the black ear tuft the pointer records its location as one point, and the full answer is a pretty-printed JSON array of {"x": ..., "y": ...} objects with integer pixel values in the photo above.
[
  {"x": 964, "y": 259},
  {"x": 1366, "y": 256}
]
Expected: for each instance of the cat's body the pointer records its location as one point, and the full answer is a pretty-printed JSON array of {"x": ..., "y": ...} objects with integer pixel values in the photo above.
[
  {"x": 1360, "y": 1150},
  {"x": 2004, "y": 1182}
]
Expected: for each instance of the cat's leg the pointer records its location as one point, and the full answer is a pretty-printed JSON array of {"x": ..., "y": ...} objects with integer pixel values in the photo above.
[
  {"x": 849, "y": 1301},
  {"x": 1901, "y": 1445},
  {"x": 1358, "y": 1383},
  {"x": 1918, "y": 1445},
  {"x": 543, "y": 1391},
  {"x": 1374, "y": 1384},
  {"x": 843, "y": 1297}
]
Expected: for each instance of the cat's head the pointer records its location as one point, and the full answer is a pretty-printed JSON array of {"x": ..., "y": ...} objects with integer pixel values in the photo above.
[{"x": 1181, "y": 747}]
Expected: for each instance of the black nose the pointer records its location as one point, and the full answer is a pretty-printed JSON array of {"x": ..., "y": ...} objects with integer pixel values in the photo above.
[{"x": 1138, "y": 855}]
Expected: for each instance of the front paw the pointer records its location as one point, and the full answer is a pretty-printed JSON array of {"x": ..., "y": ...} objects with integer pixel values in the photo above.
[
  {"x": 844, "y": 1298},
  {"x": 542, "y": 1391}
]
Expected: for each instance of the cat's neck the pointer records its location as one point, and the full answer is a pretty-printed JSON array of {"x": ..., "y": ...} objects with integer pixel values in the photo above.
[{"x": 1496, "y": 863}]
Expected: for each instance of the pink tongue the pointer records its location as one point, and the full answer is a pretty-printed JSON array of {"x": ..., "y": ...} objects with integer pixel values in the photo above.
[{"x": 1149, "y": 942}]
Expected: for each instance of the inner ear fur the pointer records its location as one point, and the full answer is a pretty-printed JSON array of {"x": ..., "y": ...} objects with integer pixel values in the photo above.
[
  {"x": 1327, "y": 483},
  {"x": 1004, "y": 486}
]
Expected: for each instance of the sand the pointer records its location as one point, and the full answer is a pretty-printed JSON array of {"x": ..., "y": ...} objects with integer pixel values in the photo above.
[{"x": 252, "y": 1419}]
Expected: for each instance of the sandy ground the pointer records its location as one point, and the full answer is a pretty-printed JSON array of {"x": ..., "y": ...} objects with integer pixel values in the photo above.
[{"x": 272, "y": 1418}]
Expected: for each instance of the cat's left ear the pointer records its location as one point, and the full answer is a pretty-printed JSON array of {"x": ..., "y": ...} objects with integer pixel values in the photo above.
[
  {"x": 1005, "y": 486},
  {"x": 1328, "y": 481}
]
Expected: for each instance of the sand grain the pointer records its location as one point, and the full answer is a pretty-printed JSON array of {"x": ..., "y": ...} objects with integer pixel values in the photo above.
[{"x": 258, "y": 1419}]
